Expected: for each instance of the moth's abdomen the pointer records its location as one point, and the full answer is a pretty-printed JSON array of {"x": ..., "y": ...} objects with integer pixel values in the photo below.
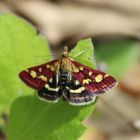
[{"x": 63, "y": 77}]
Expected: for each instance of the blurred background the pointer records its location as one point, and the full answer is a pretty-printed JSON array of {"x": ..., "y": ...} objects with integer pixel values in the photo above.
[{"x": 114, "y": 27}]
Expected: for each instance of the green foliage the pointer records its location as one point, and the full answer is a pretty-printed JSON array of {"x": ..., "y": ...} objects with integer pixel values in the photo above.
[
  {"x": 84, "y": 53},
  {"x": 32, "y": 119},
  {"x": 118, "y": 54},
  {"x": 20, "y": 47}
]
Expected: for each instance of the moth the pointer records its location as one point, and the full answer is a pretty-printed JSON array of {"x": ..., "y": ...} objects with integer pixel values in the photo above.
[{"x": 67, "y": 78}]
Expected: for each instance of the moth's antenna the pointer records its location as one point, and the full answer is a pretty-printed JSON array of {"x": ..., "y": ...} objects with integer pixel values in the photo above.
[
  {"x": 56, "y": 54},
  {"x": 79, "y": 53}
]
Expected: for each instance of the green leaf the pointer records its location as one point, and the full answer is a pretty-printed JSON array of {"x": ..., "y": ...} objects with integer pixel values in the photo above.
[
  {"x": 32, "y": 119},
  {"x": 118, "y": 54},
  {"x": 20, "y": 47},
  {"x": 84, "y": 49}
]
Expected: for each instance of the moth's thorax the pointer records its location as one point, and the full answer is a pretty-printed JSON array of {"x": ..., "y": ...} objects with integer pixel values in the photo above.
[{"x": 66, "y": 64}]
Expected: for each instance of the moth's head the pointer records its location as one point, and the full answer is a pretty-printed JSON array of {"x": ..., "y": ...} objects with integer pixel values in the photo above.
[{"x": 65, "y": 52}]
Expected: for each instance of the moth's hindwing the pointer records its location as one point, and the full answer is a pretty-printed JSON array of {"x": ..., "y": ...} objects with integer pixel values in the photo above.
[
  {"x": 78, "y": 95},
  {"x": 51, "y": 90}
]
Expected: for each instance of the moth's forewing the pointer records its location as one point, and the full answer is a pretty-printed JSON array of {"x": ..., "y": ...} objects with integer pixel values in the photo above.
[
  {"x": 95, "y": 81},
  {"x": 37, "y": 76}
]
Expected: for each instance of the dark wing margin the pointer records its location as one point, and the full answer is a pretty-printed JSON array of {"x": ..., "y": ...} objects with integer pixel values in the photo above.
[{"x": 83, "y": 98}]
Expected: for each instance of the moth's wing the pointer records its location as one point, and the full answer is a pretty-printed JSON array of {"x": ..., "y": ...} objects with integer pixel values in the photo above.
[
  {"x": 44, "y": 79},
  {"x": 77, "y": 95},
  {"x": 87, "y": 84},
  {"x": 36, "y": 77},
  {"x": 95, "y": 81},
  {"x": 51, "y": 91}
]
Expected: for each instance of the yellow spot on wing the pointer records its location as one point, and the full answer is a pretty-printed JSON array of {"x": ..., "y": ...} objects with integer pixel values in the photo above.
[
  {"x": 42, "y": 77},
  {"x": 79, "y": 90},
  {"x": 90, "y": 73},
  {"x": 52, "y": 89},
  {"x": 33, "y": 74},
  {"x": 40, "y": 69},
  {"x": 77, "y": 82},
  {"x": 86, "y": 81},
  {"x": 52, "y": 68},
  {"x": 98, "y": 78},
  {"x": 81, "y": 68},
  {"x": 51, "y": 80},
  {"x": 48, "y": 66},
  {"x": 106, "y": 75}
]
